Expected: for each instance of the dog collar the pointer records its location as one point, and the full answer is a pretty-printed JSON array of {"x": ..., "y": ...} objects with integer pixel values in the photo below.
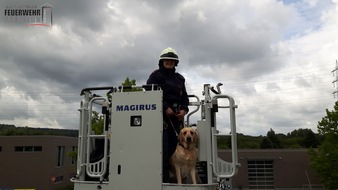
[{"x": 183, "y": 145}]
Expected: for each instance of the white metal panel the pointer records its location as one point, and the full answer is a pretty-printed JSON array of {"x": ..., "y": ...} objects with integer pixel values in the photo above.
[
  {"x": 136, "y": 151},
  {"x": 202, "y": 147}
]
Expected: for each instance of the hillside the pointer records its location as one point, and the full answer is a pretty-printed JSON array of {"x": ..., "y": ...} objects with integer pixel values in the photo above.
[
  {"x": 299, "y": 138},
  {"x": 12, "y": 130}
]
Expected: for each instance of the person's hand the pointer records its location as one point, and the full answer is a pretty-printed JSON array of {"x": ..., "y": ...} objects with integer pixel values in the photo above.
[
  {"x": 169, "y": 112},
  {"x": 180, "y": 115}
]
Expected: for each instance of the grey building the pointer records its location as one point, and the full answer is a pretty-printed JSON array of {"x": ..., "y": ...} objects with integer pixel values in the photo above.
[
  {"x": 36, "y": 162},
  {"x": 280, "y": 169},
  {"x": 41, "y": 163}
]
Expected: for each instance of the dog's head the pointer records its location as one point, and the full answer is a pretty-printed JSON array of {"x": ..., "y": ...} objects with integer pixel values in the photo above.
[{"x": 188, "y": 135}]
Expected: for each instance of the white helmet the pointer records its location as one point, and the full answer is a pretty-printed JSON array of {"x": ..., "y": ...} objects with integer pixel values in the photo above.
[{"x": 169, "y": 53}]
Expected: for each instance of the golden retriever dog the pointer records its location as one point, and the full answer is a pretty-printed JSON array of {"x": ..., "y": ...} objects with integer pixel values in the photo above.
[{"x": 183, "y": 161}]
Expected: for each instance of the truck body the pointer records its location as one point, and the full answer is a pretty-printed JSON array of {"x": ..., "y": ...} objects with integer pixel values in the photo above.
[{"x": 127, "y": 152}]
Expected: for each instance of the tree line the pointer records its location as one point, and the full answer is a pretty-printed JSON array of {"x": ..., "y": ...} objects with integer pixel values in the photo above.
[
  {"x": 12, "y": 130},
  {"x": 299, "y": 138}
]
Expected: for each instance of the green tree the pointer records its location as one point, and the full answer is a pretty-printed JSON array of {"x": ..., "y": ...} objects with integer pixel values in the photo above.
[
  {"x": 129, "y": 84},
  {"x": 304, "y": 138},
  {"x": 97, "y": 123},
  {"x": 98, "y": 119},
  {"x": 249, "y": 142},
  {"x": 271, "y": 140},
  {"x": 310, "y": 140},
  {"x": 325, "y": 159},
  {"x": 265, "y": 144}
]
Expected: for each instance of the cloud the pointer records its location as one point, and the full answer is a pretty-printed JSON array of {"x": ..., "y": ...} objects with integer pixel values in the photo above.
[{"x": 274, "y": 57}]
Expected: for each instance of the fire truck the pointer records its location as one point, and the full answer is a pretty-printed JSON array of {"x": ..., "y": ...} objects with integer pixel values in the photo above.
[{"x": 127, "y": 154}]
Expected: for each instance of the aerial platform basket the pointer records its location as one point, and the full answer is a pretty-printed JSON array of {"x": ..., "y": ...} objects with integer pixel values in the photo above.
[{"x": 126, "y": 153}]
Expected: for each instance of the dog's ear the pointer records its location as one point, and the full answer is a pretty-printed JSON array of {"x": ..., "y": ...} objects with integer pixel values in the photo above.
[
  {"x": 180, "y": 137},
  {"x": 196, "y": 137}
]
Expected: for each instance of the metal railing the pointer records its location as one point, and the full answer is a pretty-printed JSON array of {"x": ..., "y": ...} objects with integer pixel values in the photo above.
[
  {"x": 96, "y": 169},
  {"x": 221, "y": 168}
]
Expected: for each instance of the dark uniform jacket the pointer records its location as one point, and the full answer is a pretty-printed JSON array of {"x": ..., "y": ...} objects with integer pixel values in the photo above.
[{"x": 173, "y": 86}]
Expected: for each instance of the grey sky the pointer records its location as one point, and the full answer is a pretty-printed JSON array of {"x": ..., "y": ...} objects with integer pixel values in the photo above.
[{"x": 275, "y": 58}]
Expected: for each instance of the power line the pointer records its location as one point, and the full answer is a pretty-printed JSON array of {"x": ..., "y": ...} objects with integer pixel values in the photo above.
[{"x": 334, "y": 71}]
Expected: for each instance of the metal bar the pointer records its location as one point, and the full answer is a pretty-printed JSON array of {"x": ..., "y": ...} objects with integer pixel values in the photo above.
[
  {"x": 233, "y": 135},
  {"x": 96, "y": 88},
  {"x": 197, "y": 104},
  {"x": 89, "y": 169}
]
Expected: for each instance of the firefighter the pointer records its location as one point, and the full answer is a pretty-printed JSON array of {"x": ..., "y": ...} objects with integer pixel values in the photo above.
[{"x": 175, "y": 102}]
